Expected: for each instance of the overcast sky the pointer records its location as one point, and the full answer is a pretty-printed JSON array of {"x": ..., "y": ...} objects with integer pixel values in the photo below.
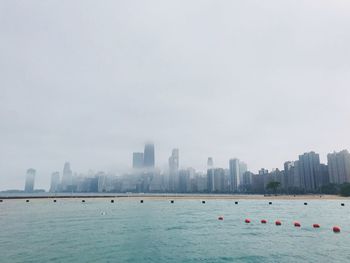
[{"x": 91, "y": 81}]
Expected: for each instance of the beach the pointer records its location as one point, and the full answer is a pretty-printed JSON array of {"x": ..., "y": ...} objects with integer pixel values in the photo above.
[{"x": 175, "y": 196}]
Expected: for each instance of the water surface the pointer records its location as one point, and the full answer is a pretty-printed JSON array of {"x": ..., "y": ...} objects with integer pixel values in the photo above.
[{"x": 185, "y": 231}]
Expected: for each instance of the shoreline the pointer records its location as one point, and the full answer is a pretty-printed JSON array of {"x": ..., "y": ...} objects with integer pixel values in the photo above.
[{"x": 178, "y": 197}]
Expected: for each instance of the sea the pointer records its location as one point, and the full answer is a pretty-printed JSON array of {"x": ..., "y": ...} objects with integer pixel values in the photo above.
[{"x": 158, "y": 230}]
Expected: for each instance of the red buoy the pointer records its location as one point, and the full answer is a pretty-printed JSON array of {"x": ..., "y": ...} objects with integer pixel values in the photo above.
[
  {"x": 247, "y": 220},
  {"x": 220, "y": 218},
  {"x": 297, "y": 224},
  {"x": 263, "y": 221},
  {"x": 278, "y": 223},
  {"x": 336, "y": 229},
  {"x": 316, "y": 226}
]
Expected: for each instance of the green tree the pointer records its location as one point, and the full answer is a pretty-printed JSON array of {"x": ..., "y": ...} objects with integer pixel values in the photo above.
[{"x": 273, "y": 185}]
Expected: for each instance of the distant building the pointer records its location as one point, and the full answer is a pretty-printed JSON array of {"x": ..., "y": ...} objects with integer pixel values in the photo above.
[
  {"x": 174, "y": 171},
  {"x": 242, "y": 169},
  {"x": 324, "y": 175},
  {"x": 137, "y": 160},
  {"x": 29, "y": 183},
  {"x": 210, "y": 175},
  {"x": 309, "y": 169},
  {"x": 234, "y": 176},
  {"x": 67, "y": 178},
  {"x": 55, "y": 182},
  {"x": 157, "y": 183},
  {"x": 258, "y": 183},
  {"x": 288, "y": 176},
  {"x": 184, "y": 181},
  {"x": 148, "y": 156},
  {"x": 339, "y": 167},
  {"x": 263, "y": 171},
  {"x": 291, "y": 180},
  {"x": 199, "y": 183},
  {"x": 106, "y": 183},
  {"x": 219, "y": 180},
  {"x": 246, "y": 184},
  {"x": 274, "y": 176}
]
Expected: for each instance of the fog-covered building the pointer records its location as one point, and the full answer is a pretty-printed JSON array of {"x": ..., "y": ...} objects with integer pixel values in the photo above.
[
  {"x": 29, "y": 182},
  {"x": 55, "y": 182}
]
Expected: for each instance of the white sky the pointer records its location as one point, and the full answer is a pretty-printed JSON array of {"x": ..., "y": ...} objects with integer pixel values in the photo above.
[{"x": 91, "y": 81}]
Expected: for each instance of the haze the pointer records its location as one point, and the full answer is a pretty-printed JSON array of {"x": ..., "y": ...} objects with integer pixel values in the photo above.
[{"x": 91, "y": 81}]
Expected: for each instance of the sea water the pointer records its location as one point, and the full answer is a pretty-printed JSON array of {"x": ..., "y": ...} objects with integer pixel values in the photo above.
[{"x": 183, "y": 231}]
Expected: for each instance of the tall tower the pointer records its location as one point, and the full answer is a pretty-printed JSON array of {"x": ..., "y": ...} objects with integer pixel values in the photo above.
[
  {"x": 234, "y": 174},
  {"x": 174, "y": 160},
  {"x": 67, "y": 177},
  {"x": 174, "y": 171},
  {"x": 29, "y": 183},
  {"x": 148, "y": 156},
  {"x": 210, "y": 175}
]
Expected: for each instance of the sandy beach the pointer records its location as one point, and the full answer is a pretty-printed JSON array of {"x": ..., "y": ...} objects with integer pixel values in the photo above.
[{"x": 178, "y": 197}]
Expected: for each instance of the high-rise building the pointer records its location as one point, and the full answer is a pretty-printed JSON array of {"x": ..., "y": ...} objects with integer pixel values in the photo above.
[
  {"x": 242, "y": 169},
  {"x": 174, "y": 160},
  {"x": 309, "y": 169},
  {"x": 29, "y": 183},
  {"x": 184, "y": 181},
  {"x": 174, "y": 171},
  {"x": 219, "y": 180},
  {"x": 339, "y": 167},
  {"x": 291, "y": 175},
  {"x": 324, "y": 175},
  {"x": 55, "y": 182},
  {"x": 137, "y": 160},
  {"x": 234, "y": 176},
  {"x": 148, "y": 156},
  {"x": 246, "y": 184},
  {"x": 67, "y": 178},
  {"x": 210, "y": 175}
]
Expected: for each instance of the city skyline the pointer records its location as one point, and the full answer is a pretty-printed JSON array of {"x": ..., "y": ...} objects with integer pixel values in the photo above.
[{"x": 312, "y": 172}]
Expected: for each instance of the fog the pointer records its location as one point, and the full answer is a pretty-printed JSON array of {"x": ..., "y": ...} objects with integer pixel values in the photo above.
[{"x": 91, "y": 81}]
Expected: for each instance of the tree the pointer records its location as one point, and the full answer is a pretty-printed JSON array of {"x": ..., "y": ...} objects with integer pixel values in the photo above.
[
  {"x": 345, "y": 189},
  {"x": 273, "y": 185}
]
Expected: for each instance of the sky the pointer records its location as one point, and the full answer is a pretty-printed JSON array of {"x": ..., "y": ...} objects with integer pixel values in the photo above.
[{"x": 91, "y": 81}]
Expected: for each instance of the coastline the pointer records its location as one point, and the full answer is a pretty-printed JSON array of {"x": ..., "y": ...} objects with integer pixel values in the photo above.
[{"x": 175, "y": 196}]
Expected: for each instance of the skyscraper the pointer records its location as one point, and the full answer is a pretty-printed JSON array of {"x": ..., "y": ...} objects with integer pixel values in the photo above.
[
  {"x": 210, "y": 175},
  {"x": 149, "y": 155},
  {"x": 55, "y": 182},
  {"x": 242, "y": 169},
  {"x": 29, "y": 183},
  {"x": 137, "y": 160},
  {"x": 339, "y": 167},
  {"x": 67, "y": 177},
  {"x": 184, "y": 181},
  {"x": 309, "y": 169},
  {"x": 174, "y": 171},
  {"x": 234, "y": 176},
  {"x": 174, "y": 160}
]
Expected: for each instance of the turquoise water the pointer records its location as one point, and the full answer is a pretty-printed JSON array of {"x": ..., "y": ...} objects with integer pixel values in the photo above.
[{"x": 158, "y": 231}]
